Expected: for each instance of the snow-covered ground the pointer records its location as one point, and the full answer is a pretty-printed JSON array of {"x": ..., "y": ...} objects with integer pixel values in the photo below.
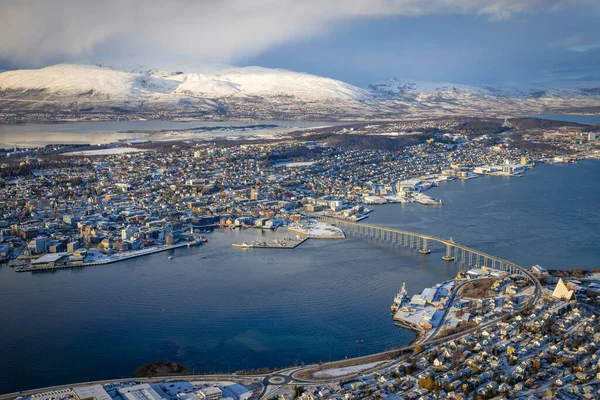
[
  {"x": 332, "y": 373},
  {"x": 95, "y": 256},
  {"x": 317, "y": 230},
  {"x": 105, "y": 152},
  {"x": 103, "y": 88},
  {"x": 270, "y": 133},
  {"x": 293, "y": 164}
]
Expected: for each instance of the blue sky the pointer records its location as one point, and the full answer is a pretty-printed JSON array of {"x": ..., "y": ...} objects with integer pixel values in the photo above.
[
  {"x": 462, "y": 49},
  {"x": 358, "y": 41}
]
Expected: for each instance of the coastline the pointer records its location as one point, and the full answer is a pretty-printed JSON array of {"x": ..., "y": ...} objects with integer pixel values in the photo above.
[{"x": 114, "y": 259}]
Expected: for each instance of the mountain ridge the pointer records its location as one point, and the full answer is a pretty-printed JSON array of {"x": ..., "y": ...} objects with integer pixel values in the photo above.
[{"x": 265, "y": 93}]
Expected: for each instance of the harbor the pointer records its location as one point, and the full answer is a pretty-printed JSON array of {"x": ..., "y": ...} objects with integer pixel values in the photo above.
[
  {"x": 132, "y": 294},
  {"x": 52, "y": 264},
  {"x": 421, "y": 312},
  {"x": 315, "y": 229},
  {"x": 285, "y": 243}
]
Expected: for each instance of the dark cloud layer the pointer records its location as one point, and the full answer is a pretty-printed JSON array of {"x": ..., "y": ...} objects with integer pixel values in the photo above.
[{"x": 187, "y": 32}]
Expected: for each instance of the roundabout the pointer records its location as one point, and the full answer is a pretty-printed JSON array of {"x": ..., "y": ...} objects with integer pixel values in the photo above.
[{"x": 277, "y": 379}]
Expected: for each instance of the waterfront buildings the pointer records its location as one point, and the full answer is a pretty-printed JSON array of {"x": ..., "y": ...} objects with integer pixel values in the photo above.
[
  {"x": 123, "y": 203},
  {"x": 139, "y": 392}
]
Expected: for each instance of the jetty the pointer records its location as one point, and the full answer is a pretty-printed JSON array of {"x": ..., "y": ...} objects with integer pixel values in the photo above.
[
  {"x": 277, "y": 244},
  {"x": 103, "y": 261},
  {"x": 317, "y": 230}
]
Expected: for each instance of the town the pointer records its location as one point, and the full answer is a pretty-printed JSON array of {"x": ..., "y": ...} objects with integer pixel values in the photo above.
[
  {"x": 495, "y": 331},
  {"x": 493, "y": 345},
  {"x": 63, "y": 207}
]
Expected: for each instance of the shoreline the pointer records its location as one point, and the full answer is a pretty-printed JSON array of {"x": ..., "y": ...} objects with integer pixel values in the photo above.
[{"x": 143, "y": 252}]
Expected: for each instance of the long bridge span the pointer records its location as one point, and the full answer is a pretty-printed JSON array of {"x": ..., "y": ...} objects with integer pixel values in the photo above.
[{"x": 465, "y": 256}]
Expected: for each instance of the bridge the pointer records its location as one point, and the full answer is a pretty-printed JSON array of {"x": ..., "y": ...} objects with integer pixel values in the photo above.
[{"x": 465, "y": 256}]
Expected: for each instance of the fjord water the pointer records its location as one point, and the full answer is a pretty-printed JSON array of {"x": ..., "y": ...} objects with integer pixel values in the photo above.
[
  {"x": 239, "y": 309},
  {"x": 102, "y": 132},
  {"x": 550, "y": 216}
]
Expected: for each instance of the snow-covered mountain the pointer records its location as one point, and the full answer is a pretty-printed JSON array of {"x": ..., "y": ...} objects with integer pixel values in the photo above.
[
  {"x": 267, "y": 94},
  {"x": 249, "y": 92},
  {"x": 449, "y": 98}
]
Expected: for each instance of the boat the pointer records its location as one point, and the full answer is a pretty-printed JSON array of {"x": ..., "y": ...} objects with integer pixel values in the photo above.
[
  {"x": 204, "y": 239},
  {"x": 170, "y": 257},
  {"x": 399, "y": 299}
]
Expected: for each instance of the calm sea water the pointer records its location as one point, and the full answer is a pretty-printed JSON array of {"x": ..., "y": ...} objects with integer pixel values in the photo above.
[
  {"x": 101, "y": 132},
  {"x": 240, "y": 309},
  {"x": 551, "y": 216}
]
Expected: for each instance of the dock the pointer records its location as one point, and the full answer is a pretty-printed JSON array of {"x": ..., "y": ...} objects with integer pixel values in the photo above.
[
  {"x": 139, "y": 253},
  {"x": 318, "y": 230},
  {"x": 265, "y": 245}
]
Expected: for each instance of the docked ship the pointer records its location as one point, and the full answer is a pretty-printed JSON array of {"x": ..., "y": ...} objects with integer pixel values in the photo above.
[
  {"x": 400, "y": 299},
  {"x": 195, "y": 243}
]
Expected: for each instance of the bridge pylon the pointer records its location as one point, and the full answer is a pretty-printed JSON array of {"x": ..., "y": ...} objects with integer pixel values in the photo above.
[
  {"x": 424, "y": 250},
  {"x": 448, "y": 256}
]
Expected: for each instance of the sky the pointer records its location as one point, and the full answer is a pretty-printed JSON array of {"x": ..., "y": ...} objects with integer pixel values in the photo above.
[{"x": 358, "y": 41}]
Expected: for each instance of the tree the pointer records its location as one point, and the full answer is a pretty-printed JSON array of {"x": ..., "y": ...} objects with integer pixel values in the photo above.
[
  {"x": 418, "y": 349},
  {"x": 467, "y": 388},
  {"x": 457, "y": 358},
  {"x": 298, "y": 390},
  {"x": 427, "y": 383}
]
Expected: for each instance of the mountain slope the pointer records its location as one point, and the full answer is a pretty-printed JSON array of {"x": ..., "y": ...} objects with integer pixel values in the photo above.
[
  {"x": 244, "y": 92},
  {"x": 448, "y": 98},
  {"x": 66, "y": 90}
]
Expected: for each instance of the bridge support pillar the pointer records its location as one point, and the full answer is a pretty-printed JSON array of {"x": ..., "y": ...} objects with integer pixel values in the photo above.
[
  {"x": 424, "y": 249},
  {"x": 448, "y": 256}
]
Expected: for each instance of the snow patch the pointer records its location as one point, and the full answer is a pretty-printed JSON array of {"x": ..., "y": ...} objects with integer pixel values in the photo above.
[
  {"x": 333, "y": 373},
  {"x": 104, "y": 152}
]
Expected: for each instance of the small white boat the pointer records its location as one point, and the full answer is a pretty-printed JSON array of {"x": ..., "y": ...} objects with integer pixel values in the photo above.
[{"x": 170, "y": 257}]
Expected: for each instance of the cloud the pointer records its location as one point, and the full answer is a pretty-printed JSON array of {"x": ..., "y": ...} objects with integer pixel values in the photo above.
[
  {"x": 36, "y": 33},
  {"x": 581, "y": 43}
]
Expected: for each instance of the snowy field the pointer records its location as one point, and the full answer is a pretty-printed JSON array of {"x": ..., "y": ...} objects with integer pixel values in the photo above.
[
  {"x": 332, "y": 373},
  {"x": 294, "y": 164},
  {"x": 105, "y": 152},
  {"x": 317, "y": 230}
]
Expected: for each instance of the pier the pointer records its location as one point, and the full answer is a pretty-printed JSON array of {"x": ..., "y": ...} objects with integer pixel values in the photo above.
[
  {"x": 120, "y": 257},
  {"x": 295, "y": 243},
  {"x": 465, "y": 256}
]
